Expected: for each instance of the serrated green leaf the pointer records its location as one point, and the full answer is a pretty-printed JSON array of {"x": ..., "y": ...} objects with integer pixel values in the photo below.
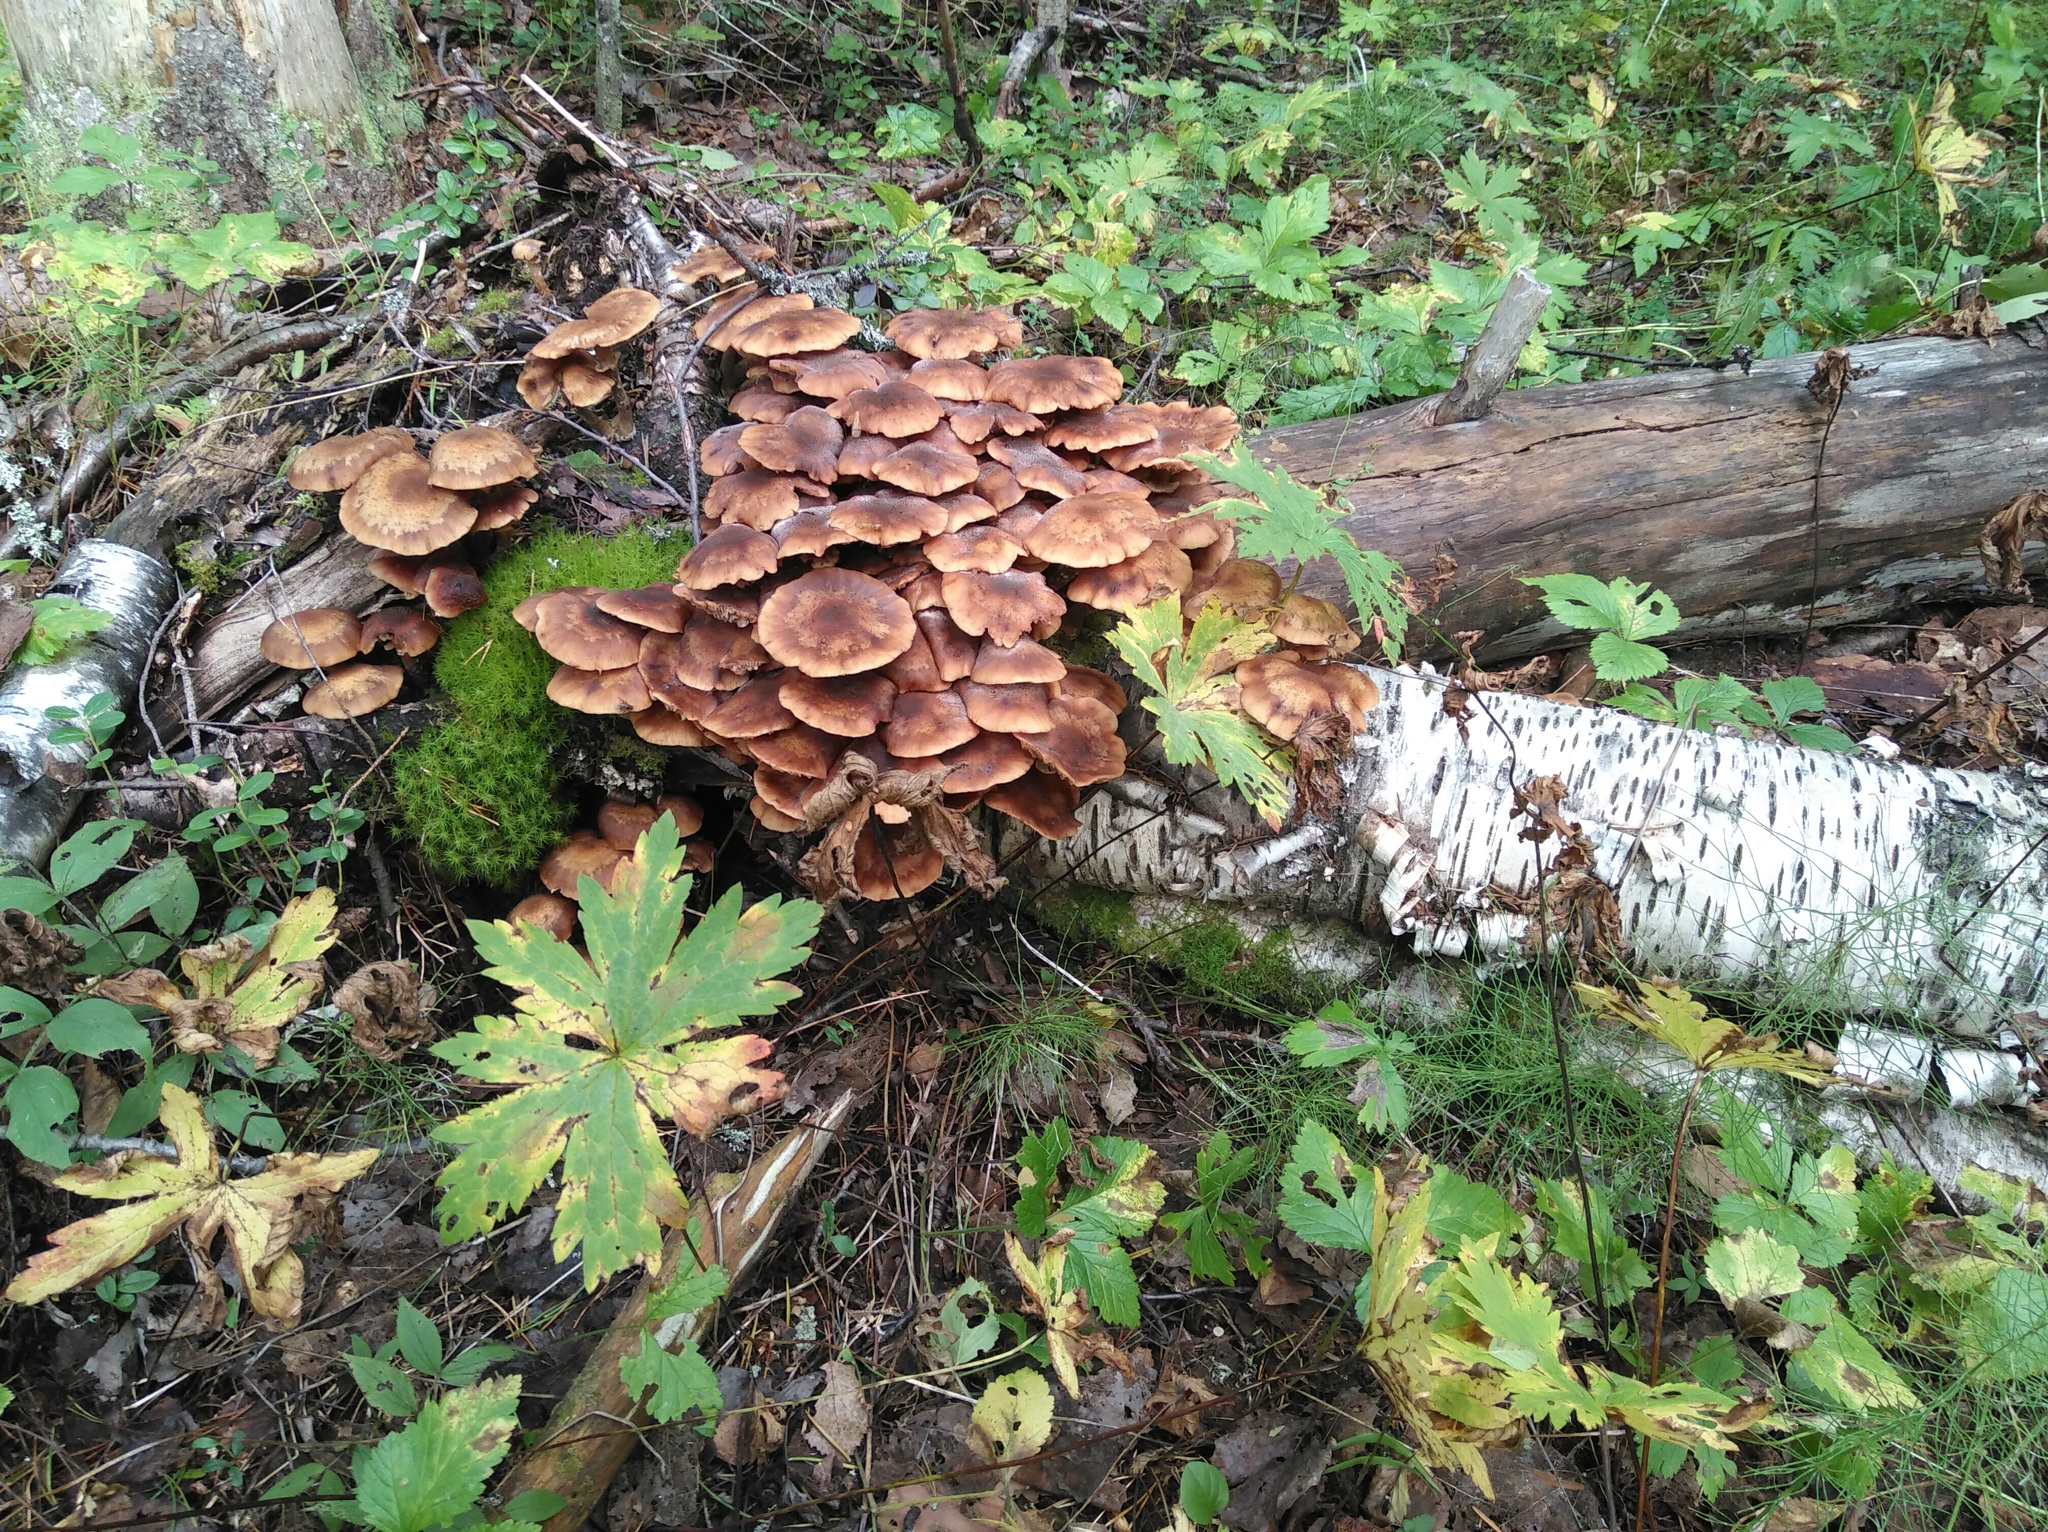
[
  {"x": 642, "y": 1003},
  {"x": 383, "y": 1383},
  {"x": 1217, "y": 1170},
  {"x": 1121, "y": 1203},
  {"x": 674, "y": 1382},
  {"x": 1843, "y": 1364},
  {"x": 1039, "y": 1158},
  {"x": 435, "y": 1469},
  {"x": 1623, "y": 659},
  {"x": 2004, "y": 1331},
  {"x": 1752, "y": 1266},
  {"x": 55, "y": 624},
  {"x": 1314, "y": 1202}
]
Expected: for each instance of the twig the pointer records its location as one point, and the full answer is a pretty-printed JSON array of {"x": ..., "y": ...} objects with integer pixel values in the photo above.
[
  {"x": 658, "y": 481},
  {"x": 603, "y": 144},
  {"x": 1830, "y": 384},
  {"x": 99, "y": 1143},
  {"x": 1692, "y": 1097},
  {"x": 1977, "y": 677},
  {"x": 963, "y": 119}
]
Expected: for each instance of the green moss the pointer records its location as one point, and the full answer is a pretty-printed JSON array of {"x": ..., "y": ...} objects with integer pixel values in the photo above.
[
  {"x": 482, "y": 793},
  {"x": 445, "y": 342},
  {"x": 1214, "y": 956},
  {"x": 496, "y": 300}
]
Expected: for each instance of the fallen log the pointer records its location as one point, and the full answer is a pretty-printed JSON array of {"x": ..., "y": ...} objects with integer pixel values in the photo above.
[
  {"x": 1700, "y": 482},
  {"x": 1876, "y": 888}
]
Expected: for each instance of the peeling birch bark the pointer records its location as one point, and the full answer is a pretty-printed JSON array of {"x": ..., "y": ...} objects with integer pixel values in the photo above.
[{"x": 1877, "y": 887}]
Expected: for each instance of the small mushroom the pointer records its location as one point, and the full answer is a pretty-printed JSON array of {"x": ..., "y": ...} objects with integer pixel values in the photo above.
[
  {"x": 742, "y": 307},
  {"x": 915, "y": 670},
  {"x": 1082, "y": 681},
  {"x": 1310, "y": 620},
  {"x": 405, "y": 630},
  {"x": 851, "y": 707},
  {"x": 1039, "y": 800},
  {"x": 1180, "y": 429},
  {"x": 645, "y": 606},
  {"x": 948, "y": 334},
  {"x": 928, "y": 723},
  {"x": 895, "y": 861},
  {"x": 806, "y": 442},
  {"x": 502, "y": 506},
  {"x": 1037, "y": 466},
  {"x": 352, "y": 690},
  {"x": 988, "y": 760},
  {"x": 952, "y": 651},
  {"x": 1041, "y": 384},
  {"x": 1024, "y": 661},
  {"x": 1246, "y": 587},
  {"x": 571, "y": 627},
  {"x": 452, "y": 589},
  {"x": 583, "y": 855},
  {"x": 764, "y": 406},
  {"x": 598, "y": 691},
  {"x": 803, "y": 751},
  {"x": 1161, "y": 570},
  {"x": 887, "y": 518},
  {"x": 1283, "y": 695},
  {"x": 706, "y": 655},
  {"x": 337, "y": 462},
  {"x": 582, "y": 384},
  {"x": 720, "y": 452},
  {"x": 808, "y": 534},
  {"x": 834, "y": 374},
  {"x": 965, "y": 510},
  {"x": 728, "y": 555},
  {"x": 755, "y": 709},
  {"x": 772, "y": 818},
  {"x": 756, "y": 497},
  {"x": 612, "y": 320},
  {"x": 1082, "y": 745},
  {"x": 479, "y": 457},
  {"x": 1017, "y": 708},
  {"x": 393, "y": 506},
  {"x": 925, "y": 469},
  {"x": 621, "y": 823},
  {"x": 861, "y": 456},
  {"x": 897, "y": 409},
  {"x": 793, "y": 333},
  {"x": 998, "y": 486},
  {"x": 1092, "y": 531},
  {"x": 951, "y": 379},
  {"x": 1121, "y": 425},
  {"x": 663, "y": 725},
  {"x": 835, "y": 622},
  {"x": 550, "y": 912},
  {"x": 319, "y": 638},
  {"x": 1005, "y": 607}
]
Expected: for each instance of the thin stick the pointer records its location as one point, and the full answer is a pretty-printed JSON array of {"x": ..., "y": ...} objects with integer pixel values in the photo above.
[
  {"x": 1692, "y": 1097},
  {"x": 604, "y": 145}
]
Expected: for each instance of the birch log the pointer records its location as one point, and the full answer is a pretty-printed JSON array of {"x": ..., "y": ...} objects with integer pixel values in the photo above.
[
  {"x": 1878, "y": 887},
  {"x": 1700, "y": 482}
]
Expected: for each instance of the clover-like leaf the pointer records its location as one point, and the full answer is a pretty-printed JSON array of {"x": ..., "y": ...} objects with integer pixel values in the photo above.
[{"x": 603, "y": 1046}]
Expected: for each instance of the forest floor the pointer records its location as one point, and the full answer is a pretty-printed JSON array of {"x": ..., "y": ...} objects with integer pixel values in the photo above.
[{"x": 1298, "y": 215}]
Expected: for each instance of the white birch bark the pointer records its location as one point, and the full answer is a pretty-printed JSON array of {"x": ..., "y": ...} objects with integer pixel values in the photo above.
[{"x": 1878, "y": 887}]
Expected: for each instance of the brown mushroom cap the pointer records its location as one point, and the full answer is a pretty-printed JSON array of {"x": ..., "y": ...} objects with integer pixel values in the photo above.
[
  {"x": 785, "y": 792},
  {"x": 807, "y": 441},
  {"x": 925, "y": 469},
  {"x": 540, "y": 383},
  {"x": 663, "y": 725},
  {"x": 851, "y": 707},
  {"x": 835, "y": 622},
  {"x": 988, "y": 549},
  {"x": 998, "y": 486},
  {"x": 735, "y": 604},
  {"x": 550, "y": 912},
  {"x": 927, "y": 723},
  {"x": 742, "y": 308},
  {"x": 318, "y": 638},
  {"x": 571, "y": 627},
  {"x": 948, "y": 334},
  {"x": 755, "y": 709},
  {"x": 502, "y": 506},
  {"x": 406, "y": 575},
  {"x": 721, "y": 453},
  {"x": 951, "y": 379},
  {"x": 1018, "y": 708},
  {"x": 1121, "y": 425},
  {"x": 1304, "y": 619},
  {"x": 479, "y": 457},
  {"x": 612, "y": 320},
  {"x": 1199, "y": 530},
  {"x": 756, "y": 497},
  {"x": 728, "y": 555},
  {"x": 393, "y": 506},
  {"x": 339, "y": 461},
  {"x": 1046, "y": 383},
  {"x": 1082, "y": 745},
  {"x": 1040, "y": 800},
  {"x": 886, "y": 518},
  {"x": 1161, "y": 570},
  {"x": 965, "y": 509},
  {"x": 1093, "y": 531},
  {"x": 794, "y": 333},
  {"x": 772, "y": 818},
  {"x": 808, "y": 534},
  {"x": 1247, "y": 587},
  {"x": 898, "y": 409},
  {"x": 1082, "y": 681},
  {"x": 582, "y": 384},
  {"x": 802, "y": 751},
  {"x": 861, "y": 456},
  {"x": 352, "y": 690},
  {"x": 1037, "y": 466},
  {"x": 1355, "y": 693},
  {"x": 985, "y": 762},
  {"x": 583, "y": 854},
  {"x": 683, "y": 809},
  {"x": 915, "y": 670},
  {"x": 952, "y": 650},
  {"x": 645, "y": 606},
  {"x": 598, "y": 691},
  {"x": 706, "y": 655},
  {"x": 622, "y": 824},
  {"x": 834, "y": 374},
  {"x": 1024, "y": 661},
  {"x": 1283, "y": 695},
  {"x": 406, "y": 630},
  {"x": 1004, "y": 606},
  {"x": 1181, "y": 428},
  {"x": 452, "y": 589},
  {"x": 894, "y": 861},
  {"x": 764, "y": 406},
  {"x": 1108, "y": 480}
]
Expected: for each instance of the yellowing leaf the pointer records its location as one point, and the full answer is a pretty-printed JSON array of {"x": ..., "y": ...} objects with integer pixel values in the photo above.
[
  {"x": 1752, "y": 1265},
  {"x": 603, "y": 1046},
  {"x": 1013, "y": 1417},
  {"x": 1711, "y": 1044},
  {"x": 1064, "y": 1311},
  {"x": 258, "y": 1213},
  {"x": 1946, "y": 154}
]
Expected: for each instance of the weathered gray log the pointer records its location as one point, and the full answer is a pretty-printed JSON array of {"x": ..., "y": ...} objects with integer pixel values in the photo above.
[
  {"x": 36, "y": 776},
  {"x": 1700, "y": 482},
  {"x": 1489, "y": 365},
  {"x": 1874, "y": 887}
]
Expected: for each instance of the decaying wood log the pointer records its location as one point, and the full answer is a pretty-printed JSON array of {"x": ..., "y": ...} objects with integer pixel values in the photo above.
[
  {"x": 1700, "y": 482},
  {"x": 1876, "y": 887}
]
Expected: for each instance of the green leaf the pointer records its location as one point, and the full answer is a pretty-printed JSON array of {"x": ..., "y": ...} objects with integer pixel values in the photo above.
[
  {"x": 24, "y": 1012},
  {"x": 1619, "y": 606},
  {"x": 55, "y": 623},
  {"x": 2005, "y": 1329},
  {"x": 1524, "y": 1329},
  {"x": 83, "y": 181},
  {"x": 534, "y": 1505},
  {"x": 673, "y": 1382},
  {"x": 1204, "y": 1492},
  {"x": 435, "y": 1469},
  {"x": 473, "y": 1362},
  {"x": 418, "y": 1341},
  {"x": 1623, "y": 659},
  {"x": 383, "y": 1383},
  {"x": 1313, "y": 1200},
  {"x": 1752, "y": 1266},
  {"x": 605, "y": 1045},
  {"x": 1121, "y": 1203},
  {"x": 38, "y": 1100},
  {"x": 1622, "y": 1270},
  {"x": 167, "y": 891},
  {"x": 30, "y": 894},
  {"x": 1488, "y": 193},
  {"x": 966, "y": 1339},
  {"x": 95, "y": 1028},
  {"x": 1462, "y": 1210},
  {"x": 1039, "y": 1159},
  {"x": 90, "y": 853},
  {"x": 1843, "y": 1364},
  {"x": 1200, "y": 1227}
]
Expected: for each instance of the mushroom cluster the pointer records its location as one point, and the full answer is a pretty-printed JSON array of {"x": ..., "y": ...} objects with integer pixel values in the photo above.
[
  {"x": 890, "y": 538},
  {"x": 599, "y": 854},
  {"x": 579, "y": 361},
  {"x": 414, "y": 510}
]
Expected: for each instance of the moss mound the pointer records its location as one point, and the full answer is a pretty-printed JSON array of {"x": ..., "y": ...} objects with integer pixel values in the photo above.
[{"x": 482, "y": 793}]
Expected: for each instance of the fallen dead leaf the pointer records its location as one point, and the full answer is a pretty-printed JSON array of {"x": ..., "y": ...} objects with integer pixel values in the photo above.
[
  {"x": 1118, "y": 1093},
  {"x": 1271, "y": 1460},
  {"x": 383, "y": 1004},
  {"x": 922, "y": 1063},
  {"x": 32, "y": 956},
  {"x": 839, "y": 1415},
  {"x": 1108, "y": 1401}
]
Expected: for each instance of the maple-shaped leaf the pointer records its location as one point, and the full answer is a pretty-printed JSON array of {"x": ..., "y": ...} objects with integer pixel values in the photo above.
[
  {"x": 604, "y": 1046},
  {"x": 1067, "y": 1342},
  {"x": 1947, "y": 154},
  {"x": 1285, "y": 520},
  {"x": 1313, "y": 1200},
  {"x": 241, "y": 995},
  {"x": 1122, "y": 1203},
  {"x": 258, "y": 1213},
  {"x": 1193, "y": 707},
  {"x": 1712, "y": 1044},
  {"x": 434, "y": 1470}
]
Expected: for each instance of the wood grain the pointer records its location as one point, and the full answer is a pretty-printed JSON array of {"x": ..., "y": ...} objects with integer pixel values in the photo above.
[{"x": 1699, "y": 482}]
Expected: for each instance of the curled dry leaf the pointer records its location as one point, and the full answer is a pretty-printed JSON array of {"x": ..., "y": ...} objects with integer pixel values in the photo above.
[
  {"x": 33, "y": 957},
  {"x": 383, "y": 1004}
]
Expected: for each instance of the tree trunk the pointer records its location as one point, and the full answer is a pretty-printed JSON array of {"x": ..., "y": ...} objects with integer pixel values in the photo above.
[
  {"x": 1699, "y": 482},
  {"x": 1873, "y": 887},
  {"x": 293, "y": 103}
]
